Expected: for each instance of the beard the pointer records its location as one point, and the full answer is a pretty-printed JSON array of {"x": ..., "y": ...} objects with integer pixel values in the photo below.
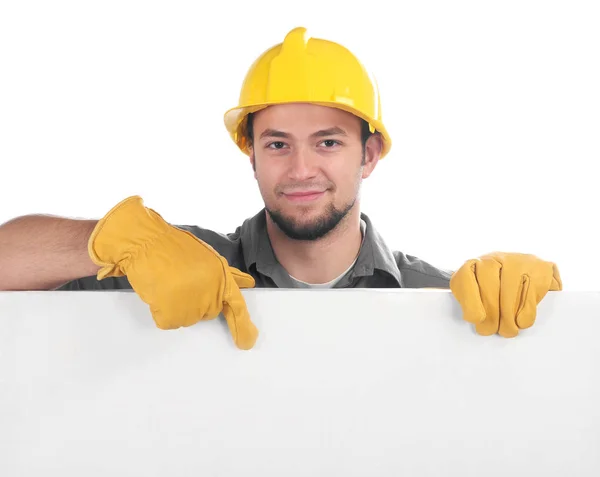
[{"x": 314, "y": 230}]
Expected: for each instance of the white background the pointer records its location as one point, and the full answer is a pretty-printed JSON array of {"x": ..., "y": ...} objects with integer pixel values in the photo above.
[{"x": 494, "y": 109}]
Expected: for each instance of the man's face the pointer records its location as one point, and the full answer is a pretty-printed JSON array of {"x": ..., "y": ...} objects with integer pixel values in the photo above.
[{"x": 308, "y": 163}]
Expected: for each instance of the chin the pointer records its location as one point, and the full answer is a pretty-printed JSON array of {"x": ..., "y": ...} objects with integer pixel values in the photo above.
[
  {"x": 304, "y": 213},
  {"x": 308, "y": 222}
]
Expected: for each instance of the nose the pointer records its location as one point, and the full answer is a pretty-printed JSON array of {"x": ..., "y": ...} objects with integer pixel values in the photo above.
[{"x": 302, "y": 166}]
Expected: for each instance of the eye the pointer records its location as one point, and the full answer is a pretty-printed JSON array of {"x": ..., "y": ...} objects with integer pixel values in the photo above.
[
  {"x": 276, "y": 145},
  {"x": 329, "y": 143}
]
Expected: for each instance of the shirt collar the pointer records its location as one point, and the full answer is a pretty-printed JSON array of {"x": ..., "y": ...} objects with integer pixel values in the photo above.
[
  {"x": 373, "y": 255},
  {"x": 257, "y": 245}
]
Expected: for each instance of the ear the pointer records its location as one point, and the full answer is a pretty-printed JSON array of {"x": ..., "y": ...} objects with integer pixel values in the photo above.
[{"x": 373, "y": 148}]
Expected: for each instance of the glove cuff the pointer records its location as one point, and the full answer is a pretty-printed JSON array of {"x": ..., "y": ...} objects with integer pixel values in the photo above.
[{"x": 126, "y": 227}]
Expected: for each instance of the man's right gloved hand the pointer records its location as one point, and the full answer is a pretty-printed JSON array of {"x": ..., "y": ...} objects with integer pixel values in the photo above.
[{"x": 183, "y": 279}]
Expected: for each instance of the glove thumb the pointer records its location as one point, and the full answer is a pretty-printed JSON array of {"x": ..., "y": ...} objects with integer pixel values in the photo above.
[
  {"x": 556, "y": 280},
  {"x": 242, "y": 279}
]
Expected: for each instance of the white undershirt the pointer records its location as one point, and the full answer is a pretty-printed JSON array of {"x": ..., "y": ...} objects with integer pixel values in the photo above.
[{"x": 331, "y": 284}]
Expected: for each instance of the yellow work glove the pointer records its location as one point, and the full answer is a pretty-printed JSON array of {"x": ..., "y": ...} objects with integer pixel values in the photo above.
[
  {"x": 499, "y": 292},
  {"x": 182, "y": 279}
]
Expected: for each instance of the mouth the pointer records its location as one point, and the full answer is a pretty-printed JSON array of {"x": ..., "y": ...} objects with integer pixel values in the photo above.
[{"x": 306, "y": 196}]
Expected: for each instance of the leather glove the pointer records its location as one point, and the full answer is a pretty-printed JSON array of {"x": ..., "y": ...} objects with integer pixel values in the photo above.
[
  {"x": 499, "y": 292},
  {"x": 182, "y": 279}
]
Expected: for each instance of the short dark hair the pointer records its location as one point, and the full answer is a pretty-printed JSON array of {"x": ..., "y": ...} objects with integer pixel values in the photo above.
[{"x": 365, "y": 131}]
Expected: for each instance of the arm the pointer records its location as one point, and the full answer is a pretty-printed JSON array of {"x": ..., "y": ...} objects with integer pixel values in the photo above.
[
  {"x": 183, "y": 279},
  {"x": 42, "y": 252}
]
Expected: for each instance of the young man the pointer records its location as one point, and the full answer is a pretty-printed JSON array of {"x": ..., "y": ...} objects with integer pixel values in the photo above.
[{"x": 309, "y": 119}]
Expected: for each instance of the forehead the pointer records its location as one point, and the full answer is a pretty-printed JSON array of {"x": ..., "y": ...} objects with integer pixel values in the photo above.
[{"x": 303, "y": 116}]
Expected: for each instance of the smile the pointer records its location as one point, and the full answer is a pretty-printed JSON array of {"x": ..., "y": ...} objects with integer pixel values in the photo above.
[{"x": 304, "y": 196}]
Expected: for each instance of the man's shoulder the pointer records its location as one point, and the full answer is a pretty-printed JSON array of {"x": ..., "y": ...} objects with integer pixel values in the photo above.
[
  {"x": 229, "y": 245},
  {"x": 212, "y": 237},
  {"x": 417, "y": 273}
]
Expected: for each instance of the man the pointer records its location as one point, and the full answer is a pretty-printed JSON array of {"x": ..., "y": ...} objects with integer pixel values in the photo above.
[{"x": 309, "y": 119}]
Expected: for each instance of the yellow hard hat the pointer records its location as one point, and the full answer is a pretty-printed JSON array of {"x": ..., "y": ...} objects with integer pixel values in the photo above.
[{"x": 305, "y": 69}]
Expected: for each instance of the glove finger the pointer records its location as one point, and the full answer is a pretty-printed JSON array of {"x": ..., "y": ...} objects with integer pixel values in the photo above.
[
  {"x": 242, "y": 279},
  {"x": 161, "y": 320},
  {"x": 513, "y": 296},
  {"x": 476, "y": 285},
  {"x": 527, "y": 312},
  {"x": 465, "y": 289},
  {"x": 534, "y": 290},
  {"x": 235, "y": 311},
  {"x": 488, "y": 275}
]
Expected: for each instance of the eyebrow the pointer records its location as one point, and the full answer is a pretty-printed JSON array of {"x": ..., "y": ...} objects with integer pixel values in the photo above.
[
  {"x": 274, "y": 133},
  {"x": 334, "y": 131}
]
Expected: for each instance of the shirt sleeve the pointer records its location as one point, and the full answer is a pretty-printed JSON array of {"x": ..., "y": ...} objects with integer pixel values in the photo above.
[{"x": 92, "y": 283}]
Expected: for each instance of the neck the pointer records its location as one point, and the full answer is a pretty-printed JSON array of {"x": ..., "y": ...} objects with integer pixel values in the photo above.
[{"x": 318, "y": 261}]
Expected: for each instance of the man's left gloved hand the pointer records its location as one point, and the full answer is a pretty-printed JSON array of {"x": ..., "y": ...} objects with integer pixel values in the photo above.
[{"x": 499, "y": 292}]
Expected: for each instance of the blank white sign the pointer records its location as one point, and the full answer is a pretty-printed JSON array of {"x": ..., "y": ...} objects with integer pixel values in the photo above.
[{"x": 340, "y": 383}]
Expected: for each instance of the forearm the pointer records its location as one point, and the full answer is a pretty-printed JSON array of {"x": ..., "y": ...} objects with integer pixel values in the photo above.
[{"x": 41, "y": 252}]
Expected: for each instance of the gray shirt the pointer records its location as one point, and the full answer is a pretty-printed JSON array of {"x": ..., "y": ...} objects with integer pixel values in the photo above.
[{"x": 249, "y": 249}]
